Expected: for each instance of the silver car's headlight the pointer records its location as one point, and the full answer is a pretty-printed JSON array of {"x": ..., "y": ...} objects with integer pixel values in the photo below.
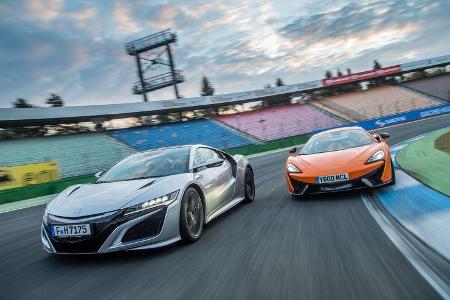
[
  {"x": 377, "y": 156},
  {"x": 142, "y": 207},
  {"x": 293, "y": 169}
]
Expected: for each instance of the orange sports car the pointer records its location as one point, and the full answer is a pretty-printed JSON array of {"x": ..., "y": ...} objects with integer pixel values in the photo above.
[{"x": 340, "y": 159}]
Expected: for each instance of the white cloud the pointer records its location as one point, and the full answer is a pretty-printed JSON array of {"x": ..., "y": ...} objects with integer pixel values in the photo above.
[
  {"x": 240, "y": 44},
  {"x": 43, "y": 10},
  {"x": 123, "y": 18}
]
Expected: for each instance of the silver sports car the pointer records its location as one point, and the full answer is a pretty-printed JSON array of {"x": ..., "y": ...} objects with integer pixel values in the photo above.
[{"x": 147, "y": 200}]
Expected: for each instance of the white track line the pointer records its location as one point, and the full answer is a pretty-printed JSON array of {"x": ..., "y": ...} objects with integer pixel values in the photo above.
[{"x": 407, "y": 249}]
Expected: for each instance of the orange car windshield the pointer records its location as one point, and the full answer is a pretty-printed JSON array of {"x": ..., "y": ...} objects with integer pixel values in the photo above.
[{"x": 337, "y": 140}]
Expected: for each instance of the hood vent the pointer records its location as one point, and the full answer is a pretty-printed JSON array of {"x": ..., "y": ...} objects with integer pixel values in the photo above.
[
  {"x": 147, "y": 184},
  {"x": 73, "y": 190}
]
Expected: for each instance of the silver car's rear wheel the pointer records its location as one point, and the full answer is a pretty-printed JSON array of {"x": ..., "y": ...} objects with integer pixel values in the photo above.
[{"x": 192, "y": 216}]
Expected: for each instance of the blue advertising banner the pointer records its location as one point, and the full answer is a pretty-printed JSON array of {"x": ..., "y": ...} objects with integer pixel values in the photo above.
[
  {"x": 405, "y": 117},
  {"x": 399, "y": 118}
]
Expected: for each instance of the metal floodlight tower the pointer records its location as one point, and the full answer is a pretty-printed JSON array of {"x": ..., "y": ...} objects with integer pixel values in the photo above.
[{"x": 140, "y": 48}]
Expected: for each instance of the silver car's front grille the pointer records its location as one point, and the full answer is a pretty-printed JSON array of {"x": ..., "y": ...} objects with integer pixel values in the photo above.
[{"x": 88, "y": 218}]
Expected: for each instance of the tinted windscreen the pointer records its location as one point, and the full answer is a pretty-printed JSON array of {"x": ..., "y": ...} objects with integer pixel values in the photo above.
[
  {"x": 149, "y": 164},
  {"x": 338, "y": 140}
]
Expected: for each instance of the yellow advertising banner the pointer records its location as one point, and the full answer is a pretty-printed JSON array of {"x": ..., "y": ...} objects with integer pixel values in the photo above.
[{"x": 23, "y": 175}]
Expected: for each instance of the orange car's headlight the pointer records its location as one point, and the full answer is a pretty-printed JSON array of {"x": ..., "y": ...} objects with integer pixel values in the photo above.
[
  {"x": 293, "y": 169},
  {"x": 377, "y": 156}
]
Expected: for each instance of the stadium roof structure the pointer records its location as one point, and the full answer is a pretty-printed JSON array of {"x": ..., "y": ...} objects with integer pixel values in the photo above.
[{"x": 15, "y": 117}]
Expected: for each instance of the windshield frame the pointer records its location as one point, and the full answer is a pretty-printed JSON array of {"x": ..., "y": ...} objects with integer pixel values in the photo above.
[
  {"x": 327, "y": 133},
  {"x": 187, "y": 168}
]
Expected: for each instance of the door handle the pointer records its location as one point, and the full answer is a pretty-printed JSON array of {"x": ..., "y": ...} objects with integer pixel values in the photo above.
[{"x": 198, "y": 177}]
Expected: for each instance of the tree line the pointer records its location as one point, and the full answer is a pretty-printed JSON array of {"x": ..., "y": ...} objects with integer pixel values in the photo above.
[
  {"x": 329, "y": 74},
  {"x": 352, "y": 86},
  {"x": 53, "y": 100},
  {"x": 207, "y": 88}
]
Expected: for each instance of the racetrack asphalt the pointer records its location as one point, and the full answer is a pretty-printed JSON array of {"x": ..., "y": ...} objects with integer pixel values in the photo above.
[{"x": 322, "y": 247}]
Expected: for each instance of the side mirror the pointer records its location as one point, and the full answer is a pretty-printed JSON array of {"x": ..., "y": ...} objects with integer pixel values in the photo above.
[
  {"x": 385, "y": 135},
  {"x": 199, "y": 168},
  {"x": 293, "y": 150},
  {"x": 377, "y": 138},
  {"x": 214, "y": 162},
  {"x": 99, "y": 174},
  {"x": 210, "y": 163}
]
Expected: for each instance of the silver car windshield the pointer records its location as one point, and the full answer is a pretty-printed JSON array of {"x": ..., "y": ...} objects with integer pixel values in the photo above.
[
  {"x": 337, "y": 140},
  {"x": 150, "y": 164}
]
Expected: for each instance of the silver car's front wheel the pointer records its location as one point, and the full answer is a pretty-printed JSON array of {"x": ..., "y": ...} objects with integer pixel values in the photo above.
[{"x": 192, "y": 216}]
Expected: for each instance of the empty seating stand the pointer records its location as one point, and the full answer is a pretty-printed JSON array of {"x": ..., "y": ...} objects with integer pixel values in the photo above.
[
  {"x": 438, "y": 86},
  {"x": 375, "y": 102},
  {"x": 202, "y": 131},
  {"x": 77, "y": 154},
  {"x": 280, "y": 121}
]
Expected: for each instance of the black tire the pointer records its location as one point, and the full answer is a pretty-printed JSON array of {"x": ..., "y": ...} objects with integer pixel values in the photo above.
[
  {"x": 393, "y": 173},
  {"x": 249, "y": 185},
  {"x": 296, "y": 197},
  {"x": 192, "y": 216}
]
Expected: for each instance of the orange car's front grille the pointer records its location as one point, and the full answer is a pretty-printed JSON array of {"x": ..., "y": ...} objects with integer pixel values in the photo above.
[{"x": 374, "y": 177}]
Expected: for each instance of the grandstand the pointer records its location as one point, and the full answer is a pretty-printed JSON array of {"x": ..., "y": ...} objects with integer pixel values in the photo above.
[
  {"x": 375, "y": 102},
  {"x": 280, "y": 121},
  {"x": 438, "y": 86},
  {"x": 202, "y": 131},
  {"x": 77, "y": 154},
  {"x": 87, "y": 153}
]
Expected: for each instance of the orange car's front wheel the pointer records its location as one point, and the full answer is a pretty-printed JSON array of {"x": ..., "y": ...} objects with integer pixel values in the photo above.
[
  {"x": 392, "y": 174},
  {"x": 296, "y": 197}
]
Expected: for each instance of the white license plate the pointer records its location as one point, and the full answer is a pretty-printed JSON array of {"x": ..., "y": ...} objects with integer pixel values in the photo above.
[
  {"x": 333, "y": 178},
  {"x": 71, "y": 230}
]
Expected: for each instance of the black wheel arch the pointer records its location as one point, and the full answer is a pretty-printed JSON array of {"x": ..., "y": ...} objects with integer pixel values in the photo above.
[{"x": 202, "y": 195}]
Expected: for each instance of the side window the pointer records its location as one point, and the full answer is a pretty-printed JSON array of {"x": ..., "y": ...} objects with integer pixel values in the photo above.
[{"x": 202, "y": 155}]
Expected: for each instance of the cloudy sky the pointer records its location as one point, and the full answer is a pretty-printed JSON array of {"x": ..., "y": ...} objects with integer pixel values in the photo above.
[{"x": 75, "y": 48}]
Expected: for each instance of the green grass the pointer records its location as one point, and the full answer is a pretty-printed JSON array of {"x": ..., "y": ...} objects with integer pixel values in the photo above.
[
  {"x": 38, "y": 190},
  {"x": 424, "y": 162}
]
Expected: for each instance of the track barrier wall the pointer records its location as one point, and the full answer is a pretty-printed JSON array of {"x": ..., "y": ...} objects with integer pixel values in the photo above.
[
  {"x": 38, "y": 190},
  {"x": 399, "y": 118}
]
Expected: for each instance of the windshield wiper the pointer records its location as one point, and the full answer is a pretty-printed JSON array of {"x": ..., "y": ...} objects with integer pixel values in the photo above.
[
  {"x": 129, "y": 179},
  {"x": 138, "y": 178}
]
